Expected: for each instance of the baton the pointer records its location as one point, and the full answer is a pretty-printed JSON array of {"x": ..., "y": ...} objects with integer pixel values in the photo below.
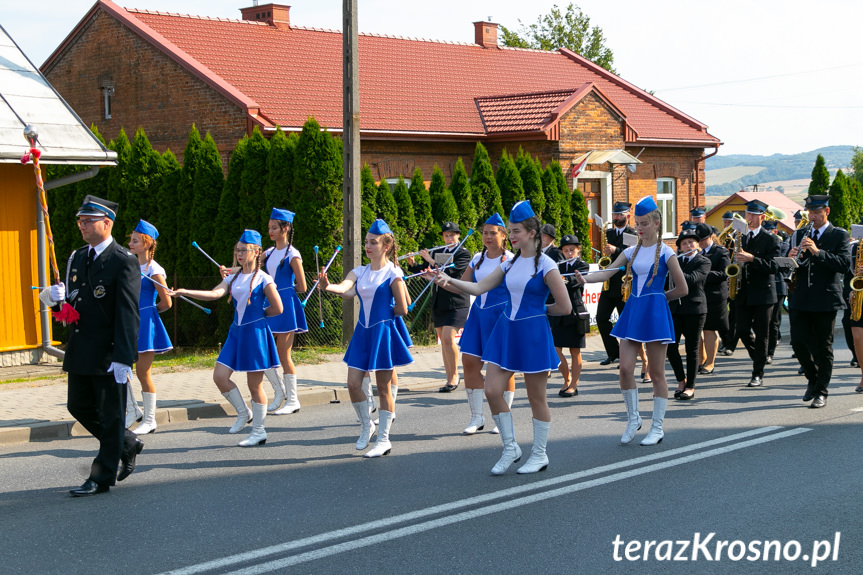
[
  {"x": 412, "y": 254},
  {"x": 423, "y": 272},
  {"x": 446, "y": 263},
  {"x": 317, "y": 281},
  {"x": 620, "y": 269},
  {"x": 187, "y": 300},
  {"x": 320, "y": 297},
  {"x": 206, "y": 255}
]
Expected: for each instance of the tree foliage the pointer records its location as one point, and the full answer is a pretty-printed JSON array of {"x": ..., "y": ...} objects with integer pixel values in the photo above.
[
  {"x": 388, "y": 211},
  {"x": 253, "y": 182},
  {"x": 820, "y": 178},
  {"x": 368, "y": 197},
  {"x": 532, "y": 180},
  {"x": 483, "y": 185},
  {"x": 405, "y": 219},
  {"x": 421, "y": 204},
  {"x": 552, "y": 198},
  {"x": 206, "y": 195},
  {"x": 280, "y": 174},
  {"x": 565, "y": 203},
  {"x": 581, "y": 223},
  {"x": 557, "y": 29},
  {"x": 842, "y": 213},
  {"x": 509, "y": 182},
  {"x": 460, "y": 188}
]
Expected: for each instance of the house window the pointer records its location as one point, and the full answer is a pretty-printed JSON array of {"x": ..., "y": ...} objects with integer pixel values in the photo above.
[
  {"x": 665, "y": 192},
  {"x": 107, "y": 94},
  {"x": 394, "y": 181}
]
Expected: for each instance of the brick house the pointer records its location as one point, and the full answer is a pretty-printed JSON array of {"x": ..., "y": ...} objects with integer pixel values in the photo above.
[{"x": 422, "y": 102}]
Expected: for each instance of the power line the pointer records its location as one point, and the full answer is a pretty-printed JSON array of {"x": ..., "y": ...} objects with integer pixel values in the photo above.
[
  {"x": 759, "y": 78},
  {"x": 774, "y": 106}
]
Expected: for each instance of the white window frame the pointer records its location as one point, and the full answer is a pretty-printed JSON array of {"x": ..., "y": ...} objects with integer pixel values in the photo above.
[
  {"x": 107, "y": 95},
  {"x": 666, "y": 200},
  {"x": 393, "y": 182}
]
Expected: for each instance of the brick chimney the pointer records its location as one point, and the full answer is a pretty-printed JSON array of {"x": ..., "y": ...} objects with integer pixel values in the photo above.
[
  {"x": 485, "y": 34},
  {"x": 277, "y": 15}
]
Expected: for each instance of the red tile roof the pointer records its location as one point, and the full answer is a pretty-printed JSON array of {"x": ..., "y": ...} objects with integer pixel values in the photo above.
[{"x": 406, "y": 85}]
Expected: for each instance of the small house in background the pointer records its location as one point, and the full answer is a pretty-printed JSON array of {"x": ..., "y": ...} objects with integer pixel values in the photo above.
[
  {"x": 737, "y": 201},
  {"x": 27, "y": 99}
]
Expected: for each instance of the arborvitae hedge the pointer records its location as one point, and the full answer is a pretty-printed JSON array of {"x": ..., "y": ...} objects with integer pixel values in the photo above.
[
  {"x": 229, "y": 226},
  {"x": 460, "y": 188},
  {"x": 532, "y": 181},
  {"x": 185, "y": 199},
  {"x": 552, "y": 197},
  {"x": 405, "y": 214},
  {"x": 486, "y": 193},
  {"x": 841, "y": 210},
  {"x": 510, "y": 184},
  {"x": 422, "y": 207},
  {"x": 820, "y": 178},
  {"x": 388, "y": 211},
  {"x": 253, "y": 182},
  {"x": 581, "y": 224},
  {"x": 368, "y": 197},
  {"x": 167, "y": 217},
  {"x": 280, "y": 174},
  {"x": 118, "y": 179},
  {"x": 143, "y": 173},
  {"x": 206, "y": 195},
  {"x": 564, "y": 200}
]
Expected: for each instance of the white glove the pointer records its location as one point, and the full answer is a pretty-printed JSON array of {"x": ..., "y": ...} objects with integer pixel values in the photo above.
[
  {"x": 53, "y": 295},
  {"x": 122, "y": 372}
]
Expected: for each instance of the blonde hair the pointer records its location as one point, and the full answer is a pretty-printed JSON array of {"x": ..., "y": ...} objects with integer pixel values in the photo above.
[
  {"x": 532, "y": 223},
  {"x": 656, "y": 217},
  {"x": 256, "y": 267}
]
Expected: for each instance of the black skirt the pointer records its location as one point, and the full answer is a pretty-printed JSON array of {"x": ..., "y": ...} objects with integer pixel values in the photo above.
[
  {"x": 717, "y": 316},
  {"x": 569, "y": 331}
]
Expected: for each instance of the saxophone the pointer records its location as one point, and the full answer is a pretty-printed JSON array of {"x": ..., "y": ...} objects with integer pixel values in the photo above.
[
  {"x": 857, "y": 286},
  {"x": 805, "y": 226},
  {"x": 604, "y": 260},
  {"x": 732, "y": 270}
]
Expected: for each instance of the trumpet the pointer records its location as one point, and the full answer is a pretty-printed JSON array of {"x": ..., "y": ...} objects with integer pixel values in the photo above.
[
  {"x": 857, "y": 286},
  {"x": 416, "y": 253}
]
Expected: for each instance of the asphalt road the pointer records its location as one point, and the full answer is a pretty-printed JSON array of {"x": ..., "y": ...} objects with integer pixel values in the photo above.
[{"x": 753, "y": 467}]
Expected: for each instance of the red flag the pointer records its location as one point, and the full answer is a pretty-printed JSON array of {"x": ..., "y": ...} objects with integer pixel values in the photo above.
[{"x": 579, "y": 167}]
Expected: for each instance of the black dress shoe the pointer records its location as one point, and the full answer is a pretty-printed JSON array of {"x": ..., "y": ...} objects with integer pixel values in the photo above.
[
  {"x": 859, "y": 389},
  {"x": 769, "y": 359},
  {"x": 755, "y": 382},
  {"x": 677, "y": 393},
  {"x": 819, "y": 401},
  {"x": 727, "y": 352},
  {"x": 685, "y": 397},
  {"x": 571, "y": 393},
  {"x": 855, "y": 363},
  {"x": 89, "y": 487},
  {"x": 608, "y": 361},
  {"x": 127, "y": 460},
  {"x": 808, "y": 395},
  {"x": 703, "y": 371},
  {"x": 448, "y": 388}
]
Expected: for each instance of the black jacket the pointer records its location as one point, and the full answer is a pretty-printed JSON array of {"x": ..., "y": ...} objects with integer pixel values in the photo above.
[
  {"x": 576, "y": 294},
  {"x": 757, "y": 282},
  {"x": 555, "y": 254},
  {"x": 443, "y": 300},
  {"x": 716, "y": 284},
  {"x": 616, "y": 282},
  {"x": 105, "y": 293},
  {"x": 819, "y": 279},
  {"x": 695, "y": 302}
]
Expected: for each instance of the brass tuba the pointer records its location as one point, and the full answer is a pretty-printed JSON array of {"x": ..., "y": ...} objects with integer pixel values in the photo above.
[{"x": 857, "y": 286}]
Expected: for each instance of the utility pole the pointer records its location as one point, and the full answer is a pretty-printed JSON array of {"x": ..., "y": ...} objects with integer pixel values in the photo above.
[{"x": 351, "y": 202}]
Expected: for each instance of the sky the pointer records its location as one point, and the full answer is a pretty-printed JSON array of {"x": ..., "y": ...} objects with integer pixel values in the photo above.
[{"x": 765, "y": 76}]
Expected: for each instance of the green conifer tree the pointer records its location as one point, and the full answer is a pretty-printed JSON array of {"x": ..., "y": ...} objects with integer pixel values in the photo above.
[
  {"x": 442, "y": 210},
  {"x": 280, "y": 174},
  {"x": 422, "y": 206},
  {"x": 820, "y": 178},
  {"x": 388, "y": 210},
  {"x": 460, "y": 188},
  {"x": 564, "y": 202},
  {"x": 142, "y": 178},
  {"x": 510, "y": 184},
  {"x": 856, "y": 200},
  {"x": 185, "y": 198},
  {"x": 841, "y": 210},
  {"x": 552, "y": 197},
  {"x": 229, "y": 227},
  {"x": 532, "y": 181},
  {"x": 368, "y": 195},
  {"x": 581, "y": 224},
  {"x": 405, "y": 209},
  {"x": 206, "y": 195},
  {"x": 166, "y": 220},
  {"x": 253, "y": 182},
  {"x": 486, "y": 193},
  {"x": 118, "y": 178}
]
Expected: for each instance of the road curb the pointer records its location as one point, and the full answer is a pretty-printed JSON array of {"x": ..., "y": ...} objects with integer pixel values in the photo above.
[{"x": 165, "y": 416}]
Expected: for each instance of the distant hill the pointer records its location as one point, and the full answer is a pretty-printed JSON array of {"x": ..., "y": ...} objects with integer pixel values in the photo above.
[{"x": 729, "y": 174}]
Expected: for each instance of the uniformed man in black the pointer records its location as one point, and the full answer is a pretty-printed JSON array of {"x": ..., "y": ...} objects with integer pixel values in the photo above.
[
  {"x": 449, "y": 309},
  {"x": 548, "y": 234},
  {"x": 103, "y": 282},
  {"x": 612, "y": 298},
  {"x": 824, "y": 254},
  {"x": 756, "y": 291},
  {"x": 781, "y": 293},
  {"x": 697, "y": 216},
  {"x": 729, "y": 336}
]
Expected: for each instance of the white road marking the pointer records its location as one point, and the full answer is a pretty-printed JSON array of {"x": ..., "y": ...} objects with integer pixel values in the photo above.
[{"x": 510, "y": 503}]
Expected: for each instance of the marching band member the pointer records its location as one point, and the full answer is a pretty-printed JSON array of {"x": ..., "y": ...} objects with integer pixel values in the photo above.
[
  {"x": 380, "y": 342},
  {"x": 756, "y": 292},
  {"x": 569, "y": 331},
  {"x": 250, "y": 346},
  {"x": 856, "y": 325},
  {"x": 152, "y": 336},
  {"x": 285, "y": 265},
  {"x": 612, "y": 298},
  {"x": 688, "y": 313},
  {"x": 729, "y": 336},
  {"x": 716, "y": 294},
  {"x": 521, "y": 338},
  {"x": 781, "y": 293},
  {"x": 449, "y": 309},
  {"x": 483, "y": 315},
  {"x": 548, "y": 234},
  {"x": 646, "y": 318},
  {"x": 824, "y": 254}
]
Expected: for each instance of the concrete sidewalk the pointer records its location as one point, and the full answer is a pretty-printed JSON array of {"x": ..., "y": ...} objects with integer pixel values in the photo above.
[{"x": 37, "y": 410}]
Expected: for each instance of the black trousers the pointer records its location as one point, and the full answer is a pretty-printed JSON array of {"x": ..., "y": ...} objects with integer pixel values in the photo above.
[
  {"x": 99, "y": 404},
  {"x": 729, "y": 338},
  {"x": 812, "y": 340},
  {"x": 849, "y": 336},
  {"x": 754, "y": 318},
  {"x": 775, "y": 324},
  {"x": 604, "y": 308},
  {"x": 689, "y": 326}
]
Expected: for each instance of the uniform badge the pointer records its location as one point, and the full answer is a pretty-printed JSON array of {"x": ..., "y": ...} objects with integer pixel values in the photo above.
[
  {"x": 99, "y": 292},
  {"x": 73, "y": 295},
  {"x": 74, "y": 278}
]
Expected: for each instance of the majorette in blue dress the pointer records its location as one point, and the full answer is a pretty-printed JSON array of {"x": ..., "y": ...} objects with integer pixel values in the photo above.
[
  {"x": 646, "y": 316},
  {"x": 152, "y": 335},
  {"x": 277, "y": 263},
  {"x": 250, "y": 345},
  {"x": 381, "y": 340},
  {"x": 485, "y": 309},
  {"x": 521, "y": 338}
]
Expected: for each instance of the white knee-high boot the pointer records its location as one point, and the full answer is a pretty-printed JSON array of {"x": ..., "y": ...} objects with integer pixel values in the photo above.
[
  {"x": 394, "y": 391},
  {"x": 244, "y": 415},
  {"x": 133, "y": 412},
  {"x": 368, "y": 427},
  {"x": 259, "y": 434},
  {"x": 292, "y": 398},
  {"x": 538, "y": 460},
  {"x": 656, "y": 434},
  {"x": 148, "y": 424},
  {"x": 278, "y": 389},
  {"x": 633, "y": 419},
  {"x": 370, "y": 397},
  {"x": 508, "y": 396},
  {"x": 474, "y": 401},
  {"x": 382, "y": 443},
  {"x": 511, "y": 450}
]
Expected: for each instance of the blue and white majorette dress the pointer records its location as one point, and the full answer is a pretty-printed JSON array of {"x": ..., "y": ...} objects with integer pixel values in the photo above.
[
  {"x": 152, "y": 335},
  {"x": 485, "y": 309},
  {"x": 380, "y": 341},
  {"x": 521, "y": 339},
  {"x": 250, "y": 345},
  {"x": 278, "y": 265},
  {"x": 646, "y": 316}
]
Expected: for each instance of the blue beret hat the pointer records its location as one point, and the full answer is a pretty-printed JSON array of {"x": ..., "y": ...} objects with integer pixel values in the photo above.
[
  {"x": 145, "y": 227},
  {"x": 282, "y": 215},
  {"x": 756, "y": 207},
  {"x": 495, "y": 220},
  {"x": 620, "y": 208},
  {"x": 645, "y": 205},
  {"x": 250, "y": 237},
  {"x": 817, "y": 202},
  {"x": 521, "y": 211},
  {"x": 93, "y": 206},
  {"x": 379, "y": 228}
]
